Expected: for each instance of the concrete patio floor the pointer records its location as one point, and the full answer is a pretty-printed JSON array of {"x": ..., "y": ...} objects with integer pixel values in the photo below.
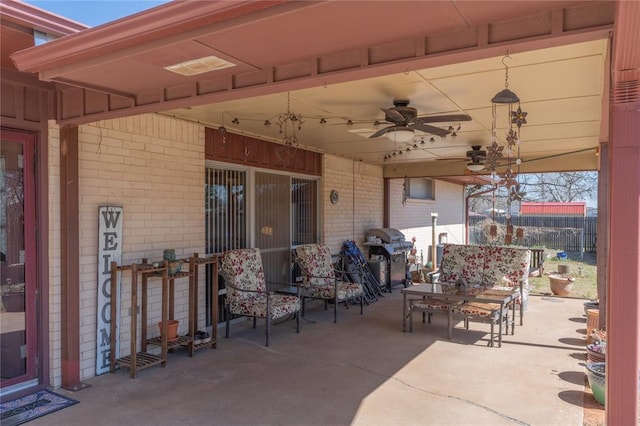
[{"x": 361, "y": 371}]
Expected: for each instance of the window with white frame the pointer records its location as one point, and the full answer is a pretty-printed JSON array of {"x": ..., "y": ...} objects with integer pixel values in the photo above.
[{"x": 419, "y": 189}]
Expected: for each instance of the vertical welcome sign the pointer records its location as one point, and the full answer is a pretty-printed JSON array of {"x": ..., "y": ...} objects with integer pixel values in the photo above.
[{"x": 109, "y": 250}]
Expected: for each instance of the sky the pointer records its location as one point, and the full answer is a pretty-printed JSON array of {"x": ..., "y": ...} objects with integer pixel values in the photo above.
[{"x": 95, "y": 12}]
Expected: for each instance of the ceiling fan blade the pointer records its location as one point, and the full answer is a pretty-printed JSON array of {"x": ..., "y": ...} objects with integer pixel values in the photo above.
[
  {"x": 393, "y": 114},
  {"x": 430, "y": 129},
  {"x": 390, "y": 129},
  {"x": 452, "y": 159},
  {"x": 382, "y": 132},
  {"x": 444, "y": 118}
]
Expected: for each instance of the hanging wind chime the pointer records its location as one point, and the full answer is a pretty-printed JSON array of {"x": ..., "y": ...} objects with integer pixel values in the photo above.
[{"x": 509, "y": 178}]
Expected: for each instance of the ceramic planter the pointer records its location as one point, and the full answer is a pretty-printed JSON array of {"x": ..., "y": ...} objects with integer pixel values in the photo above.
[
  {"x": 596, "y": 376},
  {"x": 172, "y": 330},
  {"x": 561, "y": 286}
]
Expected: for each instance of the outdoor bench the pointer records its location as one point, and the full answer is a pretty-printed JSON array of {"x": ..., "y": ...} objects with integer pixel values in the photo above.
[{"x": 486, "y": 266}]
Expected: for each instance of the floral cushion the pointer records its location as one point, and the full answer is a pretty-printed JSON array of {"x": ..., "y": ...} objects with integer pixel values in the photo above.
[
  {"x": 243, "y": 269},
  {"x": 518, "y": 298},
  {"x": 478, "y": 309},
  {"x": 462, "y": 264},
  {"x": 256, "y": 305},
  {"x": 431, "y": 304},
  {"x": 488, "y": 266},
  {"x": 316, "y": 265},
  {"x": 506, "y": 265},
  {"x": 326, "y": 291},
  {"x": 318, "y": 276}
]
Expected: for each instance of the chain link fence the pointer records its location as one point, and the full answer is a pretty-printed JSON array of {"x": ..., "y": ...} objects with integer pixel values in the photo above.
[{"x": 575, "y": 234}]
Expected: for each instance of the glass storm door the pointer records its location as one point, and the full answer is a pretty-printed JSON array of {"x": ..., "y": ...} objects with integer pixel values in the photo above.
[{"x": 18, "y": 329}]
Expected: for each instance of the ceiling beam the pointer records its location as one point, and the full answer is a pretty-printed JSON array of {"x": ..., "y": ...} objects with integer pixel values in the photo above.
[{"x": 584, "y": 160}]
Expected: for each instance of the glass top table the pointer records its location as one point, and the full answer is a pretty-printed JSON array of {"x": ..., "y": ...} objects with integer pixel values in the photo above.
[{"x": 455, "y": 293}]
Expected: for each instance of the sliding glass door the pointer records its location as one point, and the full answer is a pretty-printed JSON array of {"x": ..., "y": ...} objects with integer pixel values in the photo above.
[
  {"x": 273, "y": 224},
  {"x": 254, "y": 208}
]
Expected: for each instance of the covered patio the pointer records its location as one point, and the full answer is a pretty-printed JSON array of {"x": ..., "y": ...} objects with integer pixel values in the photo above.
[
  {"x": 362, "y": 370},
  {"x": 114, "y": 95}
]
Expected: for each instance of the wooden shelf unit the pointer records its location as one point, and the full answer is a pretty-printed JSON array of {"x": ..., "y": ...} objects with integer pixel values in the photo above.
[
  {"x": 194, "y": 264},
  {"x": 158, "y": 340},
  {"x": 139, "y": 360}
]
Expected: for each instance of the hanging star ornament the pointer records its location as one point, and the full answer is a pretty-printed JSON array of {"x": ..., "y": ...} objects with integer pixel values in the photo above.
[
  {"x": 518, "y": 117},
  {"x": 494, "y": 153},
  {"x": 512, "y": 138},
  {"x": 508, "y": 179},
  {"x": 516, "y": 194}
]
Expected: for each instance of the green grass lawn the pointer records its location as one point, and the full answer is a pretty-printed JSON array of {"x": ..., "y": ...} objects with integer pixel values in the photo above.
[{"x": 585, "y": 273}]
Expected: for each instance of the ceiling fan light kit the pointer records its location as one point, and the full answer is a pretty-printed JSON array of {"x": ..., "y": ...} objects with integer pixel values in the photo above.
[
  {"x": 475, "y": 167},
  {"x": 400, "y": 135}
]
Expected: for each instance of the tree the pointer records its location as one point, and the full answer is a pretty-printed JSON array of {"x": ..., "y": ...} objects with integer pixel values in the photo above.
[
  {"x": 560, "y": 187},
  {"x": 538, "y": 187}
]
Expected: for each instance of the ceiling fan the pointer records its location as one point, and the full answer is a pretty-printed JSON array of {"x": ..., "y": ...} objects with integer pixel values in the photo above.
[
  {"x": 405, "y": 120},
  {"x": 477, "y": 157}
]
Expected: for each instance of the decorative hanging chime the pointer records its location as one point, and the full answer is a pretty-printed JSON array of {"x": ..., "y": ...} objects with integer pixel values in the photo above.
[
  {"x": 515, "y": 118},
  {"x": 507, "y": 239},
  {"x": 288, "y": 122}
]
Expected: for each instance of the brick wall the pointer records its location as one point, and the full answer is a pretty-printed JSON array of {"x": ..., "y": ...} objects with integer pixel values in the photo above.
[
  {"x": 55, "y": 356},
  {"x": 360, "y": 206},
  {"x": 414, "y": 218},
  {"x": 153, "y": 167}
]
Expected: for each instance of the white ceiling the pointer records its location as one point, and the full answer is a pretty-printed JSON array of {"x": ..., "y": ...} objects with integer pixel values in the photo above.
[{"x": 560, "y": 88}]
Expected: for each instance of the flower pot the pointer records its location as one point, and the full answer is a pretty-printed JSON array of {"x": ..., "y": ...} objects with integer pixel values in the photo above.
[
  {"x": 172, "y": 330},
  {"x": 169, "y": 254},
  {"x": 591, "y": 304},
  {"x": 561, "y": 286},
  {"x": 596, "y": 376},
  {"x": 174, "y": 267},
  {"x": 593, "y": 320},
  {"x": 596, "y": 352}
]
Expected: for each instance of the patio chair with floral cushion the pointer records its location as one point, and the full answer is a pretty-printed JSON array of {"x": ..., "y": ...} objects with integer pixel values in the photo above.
[
  {"x": 247, "y": 293},
  {"x": 319, "y": 279}
]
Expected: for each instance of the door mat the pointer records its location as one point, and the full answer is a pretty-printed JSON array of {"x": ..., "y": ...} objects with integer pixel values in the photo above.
[{"x": 32, "y": 406}]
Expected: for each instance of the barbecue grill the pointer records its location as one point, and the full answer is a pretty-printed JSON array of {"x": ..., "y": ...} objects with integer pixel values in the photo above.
[{"x": 392, "y": 245}]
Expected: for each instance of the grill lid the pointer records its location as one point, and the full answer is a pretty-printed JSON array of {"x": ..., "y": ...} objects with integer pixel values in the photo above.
[{"x": 387, "y": 235}]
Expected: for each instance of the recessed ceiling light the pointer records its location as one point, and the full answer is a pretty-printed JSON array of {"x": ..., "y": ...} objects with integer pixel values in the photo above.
[{"x": 199, "y": 66}]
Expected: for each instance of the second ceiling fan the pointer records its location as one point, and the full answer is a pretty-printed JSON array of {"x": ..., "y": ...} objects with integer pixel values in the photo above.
[{"x": 405, "y": 119}]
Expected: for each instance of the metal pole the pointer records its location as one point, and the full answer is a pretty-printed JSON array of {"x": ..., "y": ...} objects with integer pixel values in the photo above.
[{"x": 434, "y": 254}]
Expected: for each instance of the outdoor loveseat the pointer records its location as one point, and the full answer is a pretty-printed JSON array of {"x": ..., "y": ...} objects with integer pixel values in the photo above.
[{"x": 486, "y": 266}]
